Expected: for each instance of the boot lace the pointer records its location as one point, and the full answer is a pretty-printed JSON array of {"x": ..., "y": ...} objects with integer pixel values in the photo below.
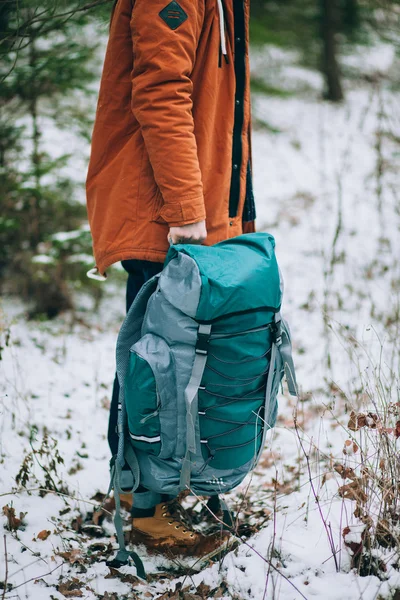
[{"x": 174, "y": 521}]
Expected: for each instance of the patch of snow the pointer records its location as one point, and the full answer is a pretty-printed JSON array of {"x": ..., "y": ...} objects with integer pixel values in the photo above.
[
  {"x": 66, "y": 236},
  {"x": 43, "y": 259},
  {"x": 370, "y": 60},
  {"x": 86, "y": 259}
]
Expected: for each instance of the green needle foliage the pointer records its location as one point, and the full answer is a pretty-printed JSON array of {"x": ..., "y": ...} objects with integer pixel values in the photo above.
[{"x": 47, "y": 52}]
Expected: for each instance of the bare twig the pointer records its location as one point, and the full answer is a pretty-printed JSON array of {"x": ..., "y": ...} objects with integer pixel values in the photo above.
[
  {"x": 272, "y": 545},
  {"x": 316, "y": 498},
  {"x": 249, "y": 546},
  {"x": 38, "y": 576},
  {"x": 70, "y": 497},
  {"x": 6, "y": 563},
  {"x": 275, "y": 569}
]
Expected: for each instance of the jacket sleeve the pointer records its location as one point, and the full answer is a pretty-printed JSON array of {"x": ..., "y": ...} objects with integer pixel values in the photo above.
[{"x": 163, "y": 60}]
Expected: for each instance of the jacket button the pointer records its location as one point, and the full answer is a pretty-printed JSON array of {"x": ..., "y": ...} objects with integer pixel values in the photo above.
[
  {"x": 235, "y": 166},
  {"x": 238, "y": 39},
  {"x": 237, "y": 101},
  {"x": 230, "y": 223}
]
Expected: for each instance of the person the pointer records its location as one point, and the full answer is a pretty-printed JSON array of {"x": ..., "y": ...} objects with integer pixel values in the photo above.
[{"x": 170, "y": 162}]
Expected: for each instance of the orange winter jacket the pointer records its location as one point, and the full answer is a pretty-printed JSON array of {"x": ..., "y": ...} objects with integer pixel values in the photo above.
[{"x": 170, "y": 143}]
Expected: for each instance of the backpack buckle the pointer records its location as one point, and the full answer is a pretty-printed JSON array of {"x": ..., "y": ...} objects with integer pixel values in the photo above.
[
  {"x": 203, "y": 337},
  {"x": 202, "y": 343},
  {"x": 277, "y": 332}
]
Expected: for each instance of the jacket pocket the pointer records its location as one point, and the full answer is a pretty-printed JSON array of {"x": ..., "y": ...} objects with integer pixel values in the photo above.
[{"x": 150, "y": 397}]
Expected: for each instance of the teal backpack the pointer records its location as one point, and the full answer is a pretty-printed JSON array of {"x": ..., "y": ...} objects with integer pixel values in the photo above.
[{"x": 200, "y": 357}]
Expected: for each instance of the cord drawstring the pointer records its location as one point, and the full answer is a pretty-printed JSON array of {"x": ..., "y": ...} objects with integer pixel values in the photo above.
[{"x": 222, "y": 27}]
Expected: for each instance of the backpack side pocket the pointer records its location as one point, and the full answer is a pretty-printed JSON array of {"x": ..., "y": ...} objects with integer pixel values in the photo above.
[{"x": 150, "y": 396}]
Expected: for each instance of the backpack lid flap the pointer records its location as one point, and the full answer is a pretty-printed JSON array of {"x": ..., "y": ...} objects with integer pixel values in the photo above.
[{"x": 238, "y": 275}]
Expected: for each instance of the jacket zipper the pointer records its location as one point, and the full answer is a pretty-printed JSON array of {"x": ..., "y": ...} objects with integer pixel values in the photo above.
[{"x": 240, "y": 77}]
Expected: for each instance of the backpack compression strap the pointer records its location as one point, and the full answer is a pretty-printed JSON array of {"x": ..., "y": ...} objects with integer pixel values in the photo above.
[
  {"x": 282, "y": 340},
  {"x": 123, "y": 555},
  {"x": 281, "y": 335},
  {"x": 192, "y": 400},
  {"x": 285, "y": 350}
]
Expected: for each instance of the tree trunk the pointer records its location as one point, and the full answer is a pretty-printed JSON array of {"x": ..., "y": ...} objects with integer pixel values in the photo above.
[{"x": 329, "y": 62}]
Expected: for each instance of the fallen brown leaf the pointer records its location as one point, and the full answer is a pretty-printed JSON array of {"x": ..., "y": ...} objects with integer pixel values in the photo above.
[
  {"x": 124, "y": 577},
  {"x": 13, "y": 522},
  {"x": 72, "y": 556},
  {"x": 43, "y": 535},
  {"x": 221, "y": 591},
  {"x": 71, "y": 588},
  {"x": 204, "y": 590},
  {"x": 76, "y": 523},
  {"x": 268, "y": 459}
]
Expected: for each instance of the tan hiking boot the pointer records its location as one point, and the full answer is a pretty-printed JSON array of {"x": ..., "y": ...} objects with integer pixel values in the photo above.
[{"x": 166, "y": 533}]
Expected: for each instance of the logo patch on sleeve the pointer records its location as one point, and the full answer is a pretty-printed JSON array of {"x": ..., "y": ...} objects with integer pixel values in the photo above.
[{"x": 173, "y": 15}]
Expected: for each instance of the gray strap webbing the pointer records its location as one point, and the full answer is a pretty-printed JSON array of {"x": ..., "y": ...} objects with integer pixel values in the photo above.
[
  {"x": 192, "y": 402},
  {"x": 267, "y": 400},
  {"x": 123, "y": 555},
  {"x": 130, "y": 458},
  {"x": 285, "y": 350},
  {"x": 268, "y": 388},
  {"x": 221, "y": 336}
]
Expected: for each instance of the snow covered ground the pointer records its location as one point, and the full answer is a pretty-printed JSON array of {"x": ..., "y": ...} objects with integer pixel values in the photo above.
[{"x": 327, "y": 188}]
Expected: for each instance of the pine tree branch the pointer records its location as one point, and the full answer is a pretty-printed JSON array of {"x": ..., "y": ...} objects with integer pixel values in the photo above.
[{"x": 24, "y": 30}]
